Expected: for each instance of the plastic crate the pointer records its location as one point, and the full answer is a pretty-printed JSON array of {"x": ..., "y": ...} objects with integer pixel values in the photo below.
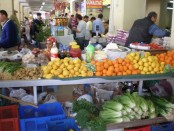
[
  {"x": 143, "y": 128},
  {"x": 63, "y": 125},
  {"x": 35, "y": 119},
  {"x": 9, "y": 120},
  {"x": 163, "y": 127}
]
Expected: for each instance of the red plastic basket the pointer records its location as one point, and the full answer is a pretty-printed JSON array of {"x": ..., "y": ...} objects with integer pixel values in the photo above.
[
  {"x": 9, "y": 120},
  {"x": 143, "y": 128}
]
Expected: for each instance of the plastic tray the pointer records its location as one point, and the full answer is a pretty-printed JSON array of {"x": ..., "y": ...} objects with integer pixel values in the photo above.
[
  {"x": 163, "y": 127},
  {"x": 9, "y": 120},
  {"x": 143, "y": 128},
  {"x": 63, "y": 125},
  {"x": 35, "y": 119}
]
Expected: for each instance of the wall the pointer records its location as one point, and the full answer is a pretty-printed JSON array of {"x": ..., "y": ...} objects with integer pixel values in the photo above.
[
  {"x": 17, "y": 8},
  {"x": 154, "y": 5},
  {"x": 106, "y": 12},
  {"x": 133, "y": 10},
  {"x": 8, "y": 6}
]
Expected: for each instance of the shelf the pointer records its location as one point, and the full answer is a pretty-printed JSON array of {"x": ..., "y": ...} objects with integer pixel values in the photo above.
[
  {"x": 76, "y": 81},
  {"x": 137, "y": 123}
]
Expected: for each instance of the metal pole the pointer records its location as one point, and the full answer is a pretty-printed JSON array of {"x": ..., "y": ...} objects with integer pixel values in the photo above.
[
  {"x": 140, "y": 87},
  {"x": 35, "y": 94}
]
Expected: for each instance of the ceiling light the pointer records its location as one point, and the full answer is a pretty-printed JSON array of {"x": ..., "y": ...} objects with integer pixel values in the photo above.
[
  {"x": 169, "y": 8},
  {"x": 171, "y": 1},
  {"x": 43, "y": 3}
]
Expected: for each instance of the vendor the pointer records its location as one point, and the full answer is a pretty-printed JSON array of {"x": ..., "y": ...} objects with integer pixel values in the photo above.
[
  {"x": 144, "y": 29},
  {"x": 9, "y": 34}
]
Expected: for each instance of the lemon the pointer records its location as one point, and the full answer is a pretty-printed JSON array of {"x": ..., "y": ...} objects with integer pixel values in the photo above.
[
  {"x": 61, "y": 76},
  {"x": 140, "y": 68},
  {"x": 52, "y": 71},
  {"x": 150, "y": 68},
  {"x": 156, "y": 69},
  {"x": 140, "y": 63},
  {"x": 77, "y": 65},
  {"x": 70, "y": 67},
  {"x": 146, "y": 64},
  {"x": 65, "y": 73},
  {"x": 47, "y": 71},
  {"x": 72, "y": 71},
  {"x": 146, "y": 54},
  {"x": 148, "y": 73},
  {"x": 62, "y": 66},
  {"x": 144, "y": 60},
  {"x": 142, "y": 72},
  {"x": 66, "y": 64},
  {"x": 58, "y": 72},
  {"x": 84, "y": 74},
  {"x": 153, "y": 65},
  {"x": 55, "y": 67},
  {"x": 57, "y": 60},
  {"x": 145, "y": 69},
  {"x": 137, "y": 57},
  {"x": 152, "y": 72},
  {"x": 134, "y": 61},
  {"x": 76, "y": 69},
  {"x": 150, "y": 58},
  {"x": 49, "y": 76},
  {"x": 77, "y": 73},
  {"x": 136, "y": 66}
]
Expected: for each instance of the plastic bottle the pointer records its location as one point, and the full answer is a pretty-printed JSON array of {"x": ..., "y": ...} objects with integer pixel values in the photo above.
[
  {"x": 75, "y": 51},
  {"x": 90, "y": 53},
  {"x": 54, "y": 52}
]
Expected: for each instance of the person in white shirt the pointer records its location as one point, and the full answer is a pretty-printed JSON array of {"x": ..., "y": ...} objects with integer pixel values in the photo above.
[{"x": 80, "y": 32}]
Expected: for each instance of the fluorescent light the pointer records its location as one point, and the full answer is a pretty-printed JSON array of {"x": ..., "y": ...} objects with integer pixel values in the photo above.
[
  {"x": 171, "y": 1},
  {"x": 43, "y": 3},
  {"x": 41, "y": 7},
  {"x": 169, "y": 8}
]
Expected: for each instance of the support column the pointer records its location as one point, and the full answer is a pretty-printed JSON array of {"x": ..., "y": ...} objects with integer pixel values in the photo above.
[
  {"x": 172, "y": 32},
  {"x": 7, "y": 6},
  {"x": 123, "y": 14},
  {"x": 72, "y": 7},
  {"x": 17, "y": 8}
]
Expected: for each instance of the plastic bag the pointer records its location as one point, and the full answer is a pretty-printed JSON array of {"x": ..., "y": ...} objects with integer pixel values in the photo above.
[{"x": 19, "y": 93}]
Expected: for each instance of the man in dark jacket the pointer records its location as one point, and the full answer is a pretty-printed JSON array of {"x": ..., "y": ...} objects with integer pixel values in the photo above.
[
  {"x": 9, "y": 34},
  {"x": 144, "y": 29}
]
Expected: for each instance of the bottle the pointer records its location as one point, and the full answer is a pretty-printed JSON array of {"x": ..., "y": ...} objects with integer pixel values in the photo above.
[
  {"x": 54, "y": 52},
  {"x": 90, "y": 53}
]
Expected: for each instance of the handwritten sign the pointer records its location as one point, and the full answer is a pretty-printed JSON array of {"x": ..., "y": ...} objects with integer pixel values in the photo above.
[{"x": 94, "y": 4}]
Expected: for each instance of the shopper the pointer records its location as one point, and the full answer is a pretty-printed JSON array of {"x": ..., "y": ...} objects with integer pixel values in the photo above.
[
  {"x": 9, "y": 36},
  {"x": 144, "y": 29},
  {"x": 80, "y": 31},
  {"x": 74, "y": 24},
  {"x": 36, "y": 24},
  {"x": 89, "y": 24},
  {"x": 97, "y": 26},
  {"x": 70, "y": 21},
  {"x": 86, "y": 18},
  {"x": 106, "y": 26}
]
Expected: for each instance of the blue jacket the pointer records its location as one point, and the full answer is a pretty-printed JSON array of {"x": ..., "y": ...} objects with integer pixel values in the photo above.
[{"x": 9, "y": 35}]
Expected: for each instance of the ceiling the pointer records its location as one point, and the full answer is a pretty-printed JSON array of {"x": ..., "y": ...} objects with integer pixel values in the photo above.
[{"x": 35, "y": 5}]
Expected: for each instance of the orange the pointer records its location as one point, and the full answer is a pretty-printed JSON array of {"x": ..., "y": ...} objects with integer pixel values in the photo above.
[
  {"x": 106, "y": 65},
  {"x": 125, "y": 68},
  {"x": 134, "y": 72},
  {"x": 109, "y": 73},
  {"x": 98, "y": 73},
  {"x": 120, "y": 60},
  {"x": 114, "y": 74},
  {"x": 110, "y": 63},
  {"x": 116, "y": 65},
  {"x": 104, "y": 71},
  {"x": 116, "y": 70},
  {"x": 125, "y": 73},
  {"x": 119, "y": 73},
  {"x": 111, "y": 68},
  {"x": 129, "y": 72},
  {"x": 130, "y": 67},
  {"x": 93, "y": 62}
]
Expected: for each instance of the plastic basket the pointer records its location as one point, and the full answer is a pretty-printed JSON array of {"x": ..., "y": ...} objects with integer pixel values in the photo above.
[
  {"x": 35, "y": 119},
  {"x": 9, "y": 120},
  {"x": 163, "y": 127},
  {"x": 63, "y": 125},
  {"x": 143, "y": 128}
]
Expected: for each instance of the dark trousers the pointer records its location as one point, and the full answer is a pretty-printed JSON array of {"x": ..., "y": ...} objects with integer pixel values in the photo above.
[
  {"x": 81, "y": 42},
  {"x": 94, "y": 34}
]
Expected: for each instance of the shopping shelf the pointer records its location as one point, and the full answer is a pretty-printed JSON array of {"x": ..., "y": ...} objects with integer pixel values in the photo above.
[
  {"x": 9, "y": 120},
  {"x": 35, "y": 119}
]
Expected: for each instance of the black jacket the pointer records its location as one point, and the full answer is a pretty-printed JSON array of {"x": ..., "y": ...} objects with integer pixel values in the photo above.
[{"x": 140, "y": 31}]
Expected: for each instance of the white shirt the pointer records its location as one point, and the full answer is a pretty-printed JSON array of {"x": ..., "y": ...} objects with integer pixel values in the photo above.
[{"x": 81, "y": 27}]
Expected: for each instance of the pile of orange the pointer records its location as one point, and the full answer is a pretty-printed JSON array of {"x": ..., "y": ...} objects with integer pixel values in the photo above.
[
  {"x": 117, "y": 67},
  {"x": 167, "y": 58}
]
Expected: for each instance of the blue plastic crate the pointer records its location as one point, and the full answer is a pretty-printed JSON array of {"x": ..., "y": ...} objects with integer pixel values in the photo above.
[
  {"x": 163, "y": 127},
  {"x": 63, "y": 125},
  {"x": 35, "y": 119}
]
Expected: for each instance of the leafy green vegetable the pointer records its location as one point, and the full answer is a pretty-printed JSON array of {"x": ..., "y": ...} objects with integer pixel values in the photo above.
[
  {"x": 9, "y": 67},
  {"x": 83, "y": 116},
  {"x": 83, "y": 104},
  {"x": 113, "y": 105},
  {"x": 168, "y": 69},
  {"x": 106, "y": 114},
  {"x": 97, "y": 124}
]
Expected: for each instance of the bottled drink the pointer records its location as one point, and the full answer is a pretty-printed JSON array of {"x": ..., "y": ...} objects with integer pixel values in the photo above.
[{"x": 54, "y": 52}]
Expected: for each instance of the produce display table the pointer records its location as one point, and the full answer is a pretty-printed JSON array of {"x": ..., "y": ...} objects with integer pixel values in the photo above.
[
  {"x": 76, "y": 81},
  {"x": 137, "y": 123}
]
